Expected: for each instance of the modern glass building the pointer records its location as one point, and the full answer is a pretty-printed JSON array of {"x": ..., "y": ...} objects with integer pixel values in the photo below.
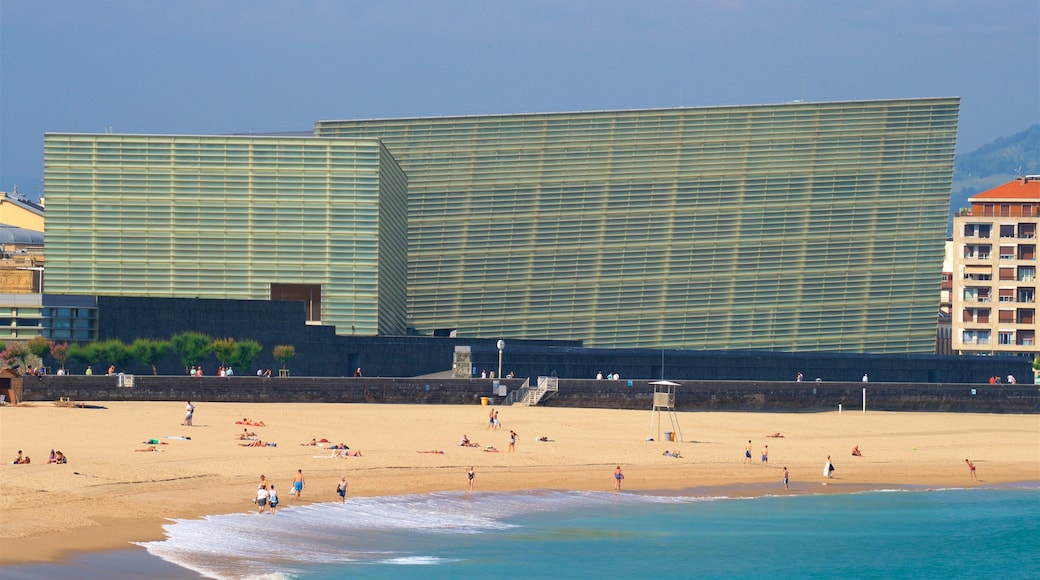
[
  {"x": 797, "y": 226},
  {"x": 319, "y": 220}
]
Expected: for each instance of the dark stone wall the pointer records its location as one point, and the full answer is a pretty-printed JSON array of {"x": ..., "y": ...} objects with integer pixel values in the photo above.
[
  {"x": 623, "y": 394},
  {"x": 321, "y": 353}
]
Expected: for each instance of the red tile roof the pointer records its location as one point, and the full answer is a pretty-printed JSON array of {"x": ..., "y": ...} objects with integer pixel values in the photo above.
[{"x": 1023, "y": 189}]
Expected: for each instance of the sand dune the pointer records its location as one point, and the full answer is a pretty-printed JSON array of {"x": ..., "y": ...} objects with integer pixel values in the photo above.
[{"x": 109, "y": 493}]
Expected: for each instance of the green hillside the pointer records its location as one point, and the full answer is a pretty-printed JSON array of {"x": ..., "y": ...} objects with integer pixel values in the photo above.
[{"x": 994, "y": 164}]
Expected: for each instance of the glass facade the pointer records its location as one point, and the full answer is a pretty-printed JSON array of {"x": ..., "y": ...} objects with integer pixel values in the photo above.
[
  {"x": 230, "y": 217},
  {"x": 796, "y": 226}
]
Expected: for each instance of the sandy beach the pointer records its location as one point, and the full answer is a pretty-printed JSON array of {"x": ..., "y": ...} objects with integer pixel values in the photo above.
[{"x": 111, "y": 493}]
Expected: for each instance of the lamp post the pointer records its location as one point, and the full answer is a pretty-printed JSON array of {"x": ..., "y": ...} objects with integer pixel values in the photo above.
[{"x": 501, "y": 345}]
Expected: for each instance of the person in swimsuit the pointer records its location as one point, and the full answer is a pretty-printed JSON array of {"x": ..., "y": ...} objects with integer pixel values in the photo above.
[
  {"x": 971, "y": 470},
  {"x": 747, "y": 452},
  {"x": 297, "y": 484},
  {"x": 512, "y": 440},
  {"x": 786, "y": 480},
  {"x": 765, "y": 454},
  {"x": 471, "y": 475},
  {"x": 618, "y": 476}
]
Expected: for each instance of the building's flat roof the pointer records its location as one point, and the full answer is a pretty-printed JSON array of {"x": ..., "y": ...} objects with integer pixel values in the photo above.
[{"x": 634, "y": 110}]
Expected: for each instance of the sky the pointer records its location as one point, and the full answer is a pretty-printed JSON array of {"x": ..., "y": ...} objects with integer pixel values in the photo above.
[{"x": 211, "y": 67}]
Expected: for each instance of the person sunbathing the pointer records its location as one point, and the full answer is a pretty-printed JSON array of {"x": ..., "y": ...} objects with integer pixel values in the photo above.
[
  {"x": 668, "y": 453},
  {"x": 856, "y": 451},
  {"x": 776, "y": 435},
  {"x": 344, "y": 454},
  {"x": 313, "y": 442},
  {"x": 257, "y": 443},
  {"x": 434, "y": 451},
  {"x": 19, "y": 459},
  {"x": 59, "y": 457},
  {"x": 246, "y": 433},
  {"x": 54, "y": 457},
  {"x": 545, "y": 439},
  {"x": 149, "y": 448}
]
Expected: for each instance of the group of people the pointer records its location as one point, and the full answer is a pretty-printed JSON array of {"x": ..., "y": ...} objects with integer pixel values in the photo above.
[
  {"x": 56, "y": 457},
  {"x": 995, "y": 380},
  {"x": 266, "y": 498},
  {"x": 493, "y": 422},
  {"x": 611, "y": 376}
]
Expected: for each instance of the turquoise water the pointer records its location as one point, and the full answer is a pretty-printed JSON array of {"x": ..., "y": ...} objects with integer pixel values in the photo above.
[{"x": 980, "y": 533}]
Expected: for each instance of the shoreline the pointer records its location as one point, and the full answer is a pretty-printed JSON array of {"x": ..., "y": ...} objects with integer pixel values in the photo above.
[
  {"x": 109, "y": 495},
  {"x": 126, "y": 534}
]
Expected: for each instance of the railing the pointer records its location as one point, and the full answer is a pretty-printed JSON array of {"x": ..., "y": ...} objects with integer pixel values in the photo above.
[{"x": 517, "y": 394}]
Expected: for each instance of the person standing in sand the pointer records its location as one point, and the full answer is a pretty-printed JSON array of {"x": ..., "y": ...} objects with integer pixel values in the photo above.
[
  {"x": 491, "y": 418},
  {"x": 786, "y": 479},
  {"x": 747, "y": 452},
  {"x": 189, "y": 412},
  {"x": 971, "y": 470},
  {"x": 471, "y": 476},
  {"x": 512, "y": 441},
  {"x": 618, "y": 476},
  {"x": 828, "y": 468},
  {"x": 297, "y": 484},
  {"x": 341, "y": 489},
  {"x": 765, "y": 455}
]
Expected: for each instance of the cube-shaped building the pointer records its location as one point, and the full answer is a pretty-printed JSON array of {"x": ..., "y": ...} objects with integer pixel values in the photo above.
[
  {"x": 317, "y": 220},
  {"x": 795, "y": 226}
]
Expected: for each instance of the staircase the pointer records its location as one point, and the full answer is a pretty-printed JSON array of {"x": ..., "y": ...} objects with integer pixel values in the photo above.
[{"x": 528, "y": 396}]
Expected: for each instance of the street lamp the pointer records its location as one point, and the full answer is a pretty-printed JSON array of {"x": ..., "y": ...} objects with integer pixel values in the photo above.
[{"x": 501, "y": 345}]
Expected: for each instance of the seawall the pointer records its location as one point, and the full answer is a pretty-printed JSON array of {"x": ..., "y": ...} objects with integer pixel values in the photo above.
[{"x": 620, "y": 394}]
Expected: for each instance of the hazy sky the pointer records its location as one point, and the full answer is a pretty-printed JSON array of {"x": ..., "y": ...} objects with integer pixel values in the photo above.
[{"x": 206, "y": 66}]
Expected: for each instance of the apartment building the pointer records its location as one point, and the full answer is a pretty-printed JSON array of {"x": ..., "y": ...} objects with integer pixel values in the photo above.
[{"x": 994, "y": 285}]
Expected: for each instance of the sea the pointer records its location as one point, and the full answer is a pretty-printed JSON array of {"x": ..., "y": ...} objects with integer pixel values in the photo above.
[{"x": 897, "y": 533}]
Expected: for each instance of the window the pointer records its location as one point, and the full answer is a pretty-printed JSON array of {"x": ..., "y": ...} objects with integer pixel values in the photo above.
[
  {"x": 1006, "y": 294},
  {"x": 1025, "y": 295},
  {"x": 1007, "y": 273},
  {"x": 1026, "y": 273},
  {"x": 1007, "y": 252},
  {"x": 1006, "y": 338}
]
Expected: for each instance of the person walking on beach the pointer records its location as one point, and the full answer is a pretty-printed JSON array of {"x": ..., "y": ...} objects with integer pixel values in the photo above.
[
  {"x": 618, "y": 476},
  {"x": 512, "y": 441},
  {"x": 261, "y": 499},
  {"x": 272, "y": 499},
  {"x": 747, "y": 452},
  {"x": 471, "y": 476},
  {"x": 341, "y": 489},
  {"x": 189, "y": 412},
  {"x": 297, "y": 484},
  {"x": 828, "y": 468},
  {"x": 971, "y": 470},
  {"x": 786, "y": 479},
  {"x": 491, "y": 418},
  {"x": 765, "y": 455}
]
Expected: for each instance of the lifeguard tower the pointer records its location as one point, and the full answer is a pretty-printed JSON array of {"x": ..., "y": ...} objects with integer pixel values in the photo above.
[{"x": 664, "y": 400}]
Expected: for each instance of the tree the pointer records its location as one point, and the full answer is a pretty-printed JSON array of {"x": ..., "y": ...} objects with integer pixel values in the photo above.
[
  {"x": 191, "y": 347},
  {"x": 14, "y": 356},
  {"x": 115, "y": 352},
  {"x": 283, "y": 352},
  {"x": 150, "y": 352},
  {"x": 60, "y": 353},
  {"x": 39, "y": 346},
  {"x": 224, "y": 348},
  {"x": 88, "y": 354},
  {"x": 245, "y": 354}
]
